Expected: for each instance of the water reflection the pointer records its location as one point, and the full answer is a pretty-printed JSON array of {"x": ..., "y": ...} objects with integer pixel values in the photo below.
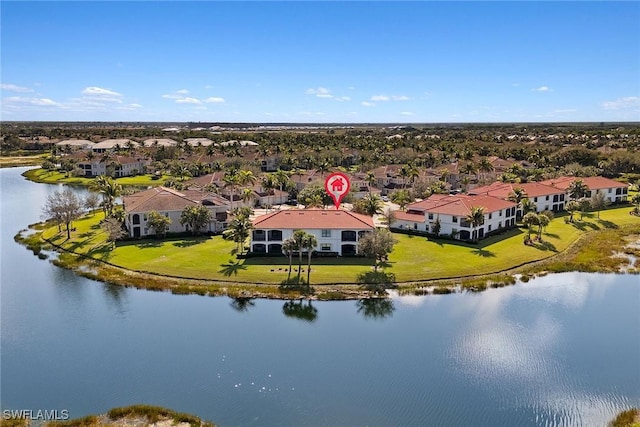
[
  {"x": 376, "y": 308},
  {"x": 300, "y": 310},
  {"x": 242, "y": 304},
  {"x": 116, "y": 298}
]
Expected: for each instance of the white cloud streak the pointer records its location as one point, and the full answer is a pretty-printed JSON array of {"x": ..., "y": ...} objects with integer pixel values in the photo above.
[
  {"x": 15, "y": 88},
  {"x": 622, "y": 103}
]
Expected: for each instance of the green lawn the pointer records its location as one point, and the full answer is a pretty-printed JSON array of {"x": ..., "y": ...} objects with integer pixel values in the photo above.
[
  {"x": 56, "y": 177},
  {"x": 414, "y": 258}
]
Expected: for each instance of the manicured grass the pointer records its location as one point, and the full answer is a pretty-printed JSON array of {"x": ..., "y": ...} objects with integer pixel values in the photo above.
[
  {"x": 56, "y": 177},
  {"x": 414, "y": 258}
]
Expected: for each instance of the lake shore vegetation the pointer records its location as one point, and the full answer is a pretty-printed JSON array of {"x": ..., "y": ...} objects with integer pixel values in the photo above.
[{"x": 210, "y": 265}]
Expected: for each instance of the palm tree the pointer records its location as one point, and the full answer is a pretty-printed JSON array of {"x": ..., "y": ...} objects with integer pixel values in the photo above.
[
  {"x": 299, "y": 237},
  {"x": 529, "y": 221},
  {"x": 475, "y": 218},
  {"x": 527, "y": 206},
  {"x": 485, "y": 166},
  {"x": 310, "y": 242},
  {"x": 572, "y": 207},
  {"x": 109, "y": 190},
  {"x": 371, "y": 180},
  {"x": 578, "y": 189},
  {"x": 636, "y": 201},
  {"x": 388, "y": 217},
  {"x": 371, "y": 204},
  {"x": 238, "y": 231},
  {"x": 246, "y": 177},
  {"x": 401, "y": 198},
  {"x": 289, "y": 246},
  {"x": 231, "y": 180},
  {"x": 517, "y": 195},
  {"x": 268, "y": 184},
  {"x": 543, "y": 222},
  {"x": 247, "y": 194}
]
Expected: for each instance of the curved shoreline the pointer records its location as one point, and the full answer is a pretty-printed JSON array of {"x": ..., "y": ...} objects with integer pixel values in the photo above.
[{"x": 566, "y": 260}]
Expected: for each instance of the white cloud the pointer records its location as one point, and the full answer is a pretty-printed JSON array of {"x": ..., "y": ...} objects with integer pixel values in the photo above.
[
  {"x": 214, "y": 100},
  {"x": 622, "y": 103},
  {"x": 564, "y": 110},
  {"x": 98, "y": 91},
  {"x": 188, "y": 100},
  {"x": 407, "y": 113},
  {"x": 40, "y": 102},
  {"x": 208, "y": 87},
  {"x": 368, "y": 104},
  {"x": 182, "y": 91},
  {"x": 321, "y": 92},
  {"x": 542, "y": 89},
  {"x": 171, "y": 96},
  {"x": 385, "y": 98},
  {"x": 15, "y": 88}
]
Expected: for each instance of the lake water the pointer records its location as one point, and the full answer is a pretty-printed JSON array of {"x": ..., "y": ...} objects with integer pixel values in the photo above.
[{"x": 562, "y": 350}]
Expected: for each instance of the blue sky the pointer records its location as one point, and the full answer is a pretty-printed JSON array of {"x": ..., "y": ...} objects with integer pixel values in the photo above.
[{"x": 321, "y": 61}]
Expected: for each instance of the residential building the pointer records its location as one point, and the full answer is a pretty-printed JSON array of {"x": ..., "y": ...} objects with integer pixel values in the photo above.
[
  {"x": 614, "y": 191},
  {"x": 114, "y": 165},
  {"x": 74, "y": 144},
  {"x": 110, "y": 145},
  {"x": 545, "y": 197},
  {"x": 452, "y": 211},
  {"x": 171, "y": 203},
  {"x": 337, "y": 231}
]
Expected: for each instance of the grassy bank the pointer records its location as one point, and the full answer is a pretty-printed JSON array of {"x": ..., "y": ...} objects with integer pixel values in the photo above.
[
  {"x": 15, "y": 161},
  {"x": 135, "y": 415},
  {"x": 208, "y": 265},
  {"x": 56, "y": 177}
]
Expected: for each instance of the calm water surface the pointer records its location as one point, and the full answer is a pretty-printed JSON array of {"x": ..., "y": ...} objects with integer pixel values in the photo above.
[{"x": 563, "y": 350}]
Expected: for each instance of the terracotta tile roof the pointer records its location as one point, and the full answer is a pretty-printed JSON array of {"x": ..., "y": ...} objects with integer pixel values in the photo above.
[
  {"x": 408, "y": 216},
  {"x": 157, "y": 199},
  {"x": 593, "y": 182},
  {"x": 502, "y": 190},
  {"x": 459, "y": 204},
  {"x": 314, "y": 219}
]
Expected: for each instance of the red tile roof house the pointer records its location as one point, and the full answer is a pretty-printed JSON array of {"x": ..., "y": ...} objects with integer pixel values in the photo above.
[
  {"x": 545, "y": 197},
  {"x": 337, "y": 231},
  {"x": 614, "y": 191},
  {"x": 452, "y": 211},
  {"x": 170, "y": 203}
]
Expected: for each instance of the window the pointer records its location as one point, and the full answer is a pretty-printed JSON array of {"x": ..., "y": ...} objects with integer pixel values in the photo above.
[
  {"x": 489, "y": 227},
  {"x": 145, "y": 217},
  {"x": 500, "y": 213},
  {"x": 535, "y": 199},
  {"x": 500, "y": 224},
  {"x": 415, "y": 225},
  {"x": 455, "y": 219},
  {"x": 430, "y": 216},
  {"x": 547, "y": 198},
  {"x": 325, "y": 247},
  {"x": 609, "y": 190},
  {"x": 490, "y": 215},
  {"x": 326, "y": 233}
]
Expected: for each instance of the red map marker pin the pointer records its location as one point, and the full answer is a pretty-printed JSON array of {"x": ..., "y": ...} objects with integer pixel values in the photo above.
[{"x": 337, "y": 185}]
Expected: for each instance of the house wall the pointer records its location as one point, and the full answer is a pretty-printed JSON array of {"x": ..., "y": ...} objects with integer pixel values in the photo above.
[
  {"x": 549, "y": 202},
  {"x": 493, "y": 221},
  {"x": 174, "y": 227},
  {"x": 326, "y": 243}
]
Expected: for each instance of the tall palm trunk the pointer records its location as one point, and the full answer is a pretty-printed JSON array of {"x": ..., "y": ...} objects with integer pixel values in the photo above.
[
  {"x": 299, "y": 263},
  {"x": 290, "y": 262},
  {"x": 309, "y": 267}
]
